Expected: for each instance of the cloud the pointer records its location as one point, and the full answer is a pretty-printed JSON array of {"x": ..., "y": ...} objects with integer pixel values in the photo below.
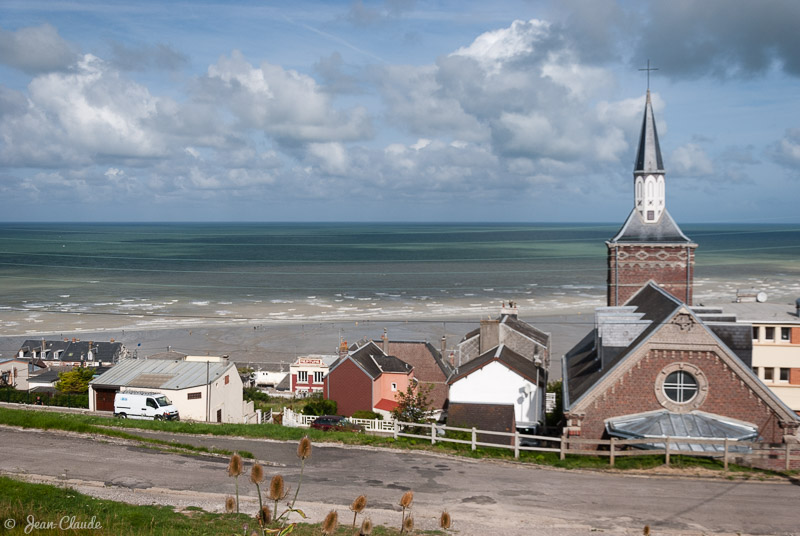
[
  {"x": 74, "y": 117},
  {"x": 335, "y": 76},
  {"x": 36, "y": 49},
  {"x": 722, "y": 38},
  {"x": 786, "y": 151},
  {"x": 285, "y": 104},
  {"x": 691, "y": 159},
  {"x": 144, "y": 57}
]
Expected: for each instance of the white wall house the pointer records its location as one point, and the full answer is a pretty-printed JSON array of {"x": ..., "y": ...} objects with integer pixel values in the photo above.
[
  {"x": 202, "y": 391},
  {"x": 501, "y": 377},
  {"x": 14, "y": 373}
]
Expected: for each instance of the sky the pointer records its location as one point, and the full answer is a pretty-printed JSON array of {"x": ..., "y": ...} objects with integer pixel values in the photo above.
[{"x": 395, "y": 110}]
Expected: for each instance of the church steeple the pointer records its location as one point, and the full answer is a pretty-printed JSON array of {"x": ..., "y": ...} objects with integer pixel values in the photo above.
[{"x": 648, "y": 170}]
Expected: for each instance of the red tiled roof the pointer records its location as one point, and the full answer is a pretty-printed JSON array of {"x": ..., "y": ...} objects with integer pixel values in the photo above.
[{"x": 386, "y": 405}]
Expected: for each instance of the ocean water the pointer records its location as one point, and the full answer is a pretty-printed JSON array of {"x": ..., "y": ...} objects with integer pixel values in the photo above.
[{"x": 175, "y": 274}]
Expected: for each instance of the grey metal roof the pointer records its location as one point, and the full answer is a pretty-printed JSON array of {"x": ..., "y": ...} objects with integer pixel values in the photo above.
[
  {"x": 694, "y": 425},
  {"x": 648, "y": 155},
  {"x": 664, "y": 231},
  {"x": 159, "y": 374}
]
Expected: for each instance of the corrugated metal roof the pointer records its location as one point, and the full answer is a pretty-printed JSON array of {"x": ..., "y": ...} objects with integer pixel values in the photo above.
[{"x": 158, "y": 374}]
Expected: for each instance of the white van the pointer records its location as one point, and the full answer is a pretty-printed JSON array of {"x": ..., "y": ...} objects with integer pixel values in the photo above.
[{"x": 135, "y": 405}]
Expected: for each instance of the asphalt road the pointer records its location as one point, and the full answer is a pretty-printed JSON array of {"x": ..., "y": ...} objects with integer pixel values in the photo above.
[{"x": 484, "y": 497}]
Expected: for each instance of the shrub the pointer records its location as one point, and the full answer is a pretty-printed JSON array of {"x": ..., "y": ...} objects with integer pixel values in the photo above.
[
  {"x": 320, "y": 406},
  {"x": 364, "y": 414},
  {"x": 251, "y": 393}
]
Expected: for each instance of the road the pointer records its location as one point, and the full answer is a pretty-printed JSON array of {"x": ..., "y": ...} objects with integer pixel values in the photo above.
[{"x": 484, "y": 497}]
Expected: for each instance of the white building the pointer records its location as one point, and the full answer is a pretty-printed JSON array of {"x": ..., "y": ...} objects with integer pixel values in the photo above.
[
  {"x": 501, "y": 377},
  {"x": 308, "y": 372},
  {"x": 202, "y": 391},
  {"x": 14, "y": 373}
]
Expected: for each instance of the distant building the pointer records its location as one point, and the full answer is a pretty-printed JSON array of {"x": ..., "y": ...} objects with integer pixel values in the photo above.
[
  {"x": 307, "y": 373},
  {"x": 774, "y": 329},
  {"x": 14, "y": 373},
  {"x": 72, "y": 352},
  {"x": 202, "y": 391},
  {"x": 366, "y": 379}
]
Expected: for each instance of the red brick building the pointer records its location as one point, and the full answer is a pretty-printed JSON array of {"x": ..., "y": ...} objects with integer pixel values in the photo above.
[
  {"x": 650, "y": 246},
  {"x": 655, "y": 362},
  {"x": 366, "y": 379}
]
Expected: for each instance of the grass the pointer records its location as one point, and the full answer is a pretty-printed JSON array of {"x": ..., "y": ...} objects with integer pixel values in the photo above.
[
  {"x": 51, "y": 504},
  {"x": 122, "y": 428}
]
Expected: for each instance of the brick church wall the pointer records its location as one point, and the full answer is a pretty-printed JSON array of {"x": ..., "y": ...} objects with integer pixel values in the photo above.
[
  {"x": 634, "y": 392},
  {"x": 630, "y": 267}
]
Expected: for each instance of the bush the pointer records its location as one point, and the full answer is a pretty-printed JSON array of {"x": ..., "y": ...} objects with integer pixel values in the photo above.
[
  {"x": 320, "y": 406},
  {"x": 364, "y": 414},
  {"x": 252, "y": 393}
]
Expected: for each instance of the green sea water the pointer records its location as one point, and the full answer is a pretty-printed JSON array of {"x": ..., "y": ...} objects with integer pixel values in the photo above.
[{"x": 351, "y": 270}]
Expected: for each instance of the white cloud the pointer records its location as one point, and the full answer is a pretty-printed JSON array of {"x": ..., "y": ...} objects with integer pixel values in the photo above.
[{"x": 690, "y": 159}]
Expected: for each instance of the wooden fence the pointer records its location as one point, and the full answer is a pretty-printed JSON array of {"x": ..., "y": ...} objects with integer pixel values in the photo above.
[{"x": 727, "y": 449}]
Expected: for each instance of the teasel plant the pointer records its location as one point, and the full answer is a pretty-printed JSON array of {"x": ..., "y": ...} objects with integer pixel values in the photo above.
[
  {"x": 405, "y": 504},
  {"x": 366, "y": 527},
  {"x": 230, "y": 504},
  {"x": 330, "y": 523},
  {"x": 277, "y": 491},
  {"x": 358, "y": 506},
  {"x": 257, "y": 477},
  {"x": 445, "y": 521},
  {"x": 304, "y": 453},
  {"x": 408, "y": 525},
  {"x": 235, "y": 469}
]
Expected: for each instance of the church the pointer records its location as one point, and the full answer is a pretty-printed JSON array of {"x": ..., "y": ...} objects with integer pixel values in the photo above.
[{"x": 653, "y": 366}]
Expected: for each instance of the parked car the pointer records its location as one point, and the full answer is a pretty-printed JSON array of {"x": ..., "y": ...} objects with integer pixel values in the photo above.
[{"x": 335, "y": 422}]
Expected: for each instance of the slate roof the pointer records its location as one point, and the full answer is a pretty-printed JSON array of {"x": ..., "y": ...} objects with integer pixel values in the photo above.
[
  {"x": 664, "y": 231},
  {"x": 582, "y": 366},
  {"x": 648, "y": 155},
  {"x": 159, "y": 374},
  {"x": 48, "y": 376},
  {"x": 503, "y": 354},
  {"x": 526, "y": 329},
  {"x": 74, "y": 351},
  {"x": 376, "y": 363}
]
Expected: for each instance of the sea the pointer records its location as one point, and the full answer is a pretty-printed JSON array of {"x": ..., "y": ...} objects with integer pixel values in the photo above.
[{"x": 73, "y": 276}]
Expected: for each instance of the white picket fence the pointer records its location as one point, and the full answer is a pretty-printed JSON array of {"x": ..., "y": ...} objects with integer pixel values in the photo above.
[{"x": 298, "y": 420}]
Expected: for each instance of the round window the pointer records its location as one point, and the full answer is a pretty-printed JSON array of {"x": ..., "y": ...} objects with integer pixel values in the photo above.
[{"x": 680, "y": 386}]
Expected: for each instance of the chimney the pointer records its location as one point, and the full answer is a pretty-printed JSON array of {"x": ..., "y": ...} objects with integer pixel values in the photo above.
[
  {"x": 510, "y": 309},
  {"x": 74, "y": 339},
  {"x": 385, "y": 338},
  {"x": 444, "y": 345},
  {"x": 490, "y": 335}
]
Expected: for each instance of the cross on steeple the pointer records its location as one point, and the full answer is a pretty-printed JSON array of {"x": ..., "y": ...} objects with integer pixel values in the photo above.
[{"x": 648, "y": 69}]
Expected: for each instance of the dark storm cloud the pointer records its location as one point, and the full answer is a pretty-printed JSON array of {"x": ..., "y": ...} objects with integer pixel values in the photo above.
[{"x": 721, "y": 38}]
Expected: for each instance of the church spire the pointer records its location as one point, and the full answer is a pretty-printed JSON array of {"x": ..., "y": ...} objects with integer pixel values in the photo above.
[
  {"x": 648, "y": 171},
  {"x": 648, "y": 157}
]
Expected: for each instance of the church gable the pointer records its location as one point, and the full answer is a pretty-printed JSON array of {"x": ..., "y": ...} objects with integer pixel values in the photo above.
[{"x": 681, "y": 367}]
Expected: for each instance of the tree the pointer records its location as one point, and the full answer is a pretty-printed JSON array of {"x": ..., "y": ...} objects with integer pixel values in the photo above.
[
  {"x": 320, "y": 406},
  {"x": 414, "y": 405},
  {"x": 75, "y": 381}
]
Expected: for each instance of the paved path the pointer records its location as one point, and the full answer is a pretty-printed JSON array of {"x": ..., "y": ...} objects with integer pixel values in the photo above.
[{"x": 484, "y": 497}]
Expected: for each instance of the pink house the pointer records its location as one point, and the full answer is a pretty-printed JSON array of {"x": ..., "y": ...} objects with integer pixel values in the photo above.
[{"x": 367, "y": 379}]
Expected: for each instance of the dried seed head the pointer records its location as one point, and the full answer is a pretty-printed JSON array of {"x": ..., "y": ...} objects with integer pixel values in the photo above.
[
  {"x": 445, "y": 520},
  {"x": 230, "y": 504},
  {"x": 330, "y": 523},
  {"x": 366, "y": 527},
  {"x": 236, "y": 465},
  {"x": 257, "y": 473},
  {"x": 408, "y": 524},
  {"x": 359, "y": 504},
  {"x": 646, "y": 530},
  {"x": 277, "y": 488},
  {"x": 264, "y": 516},
  {"x": 407, "y": 499},
  {"x": 304, "y": 448}
]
